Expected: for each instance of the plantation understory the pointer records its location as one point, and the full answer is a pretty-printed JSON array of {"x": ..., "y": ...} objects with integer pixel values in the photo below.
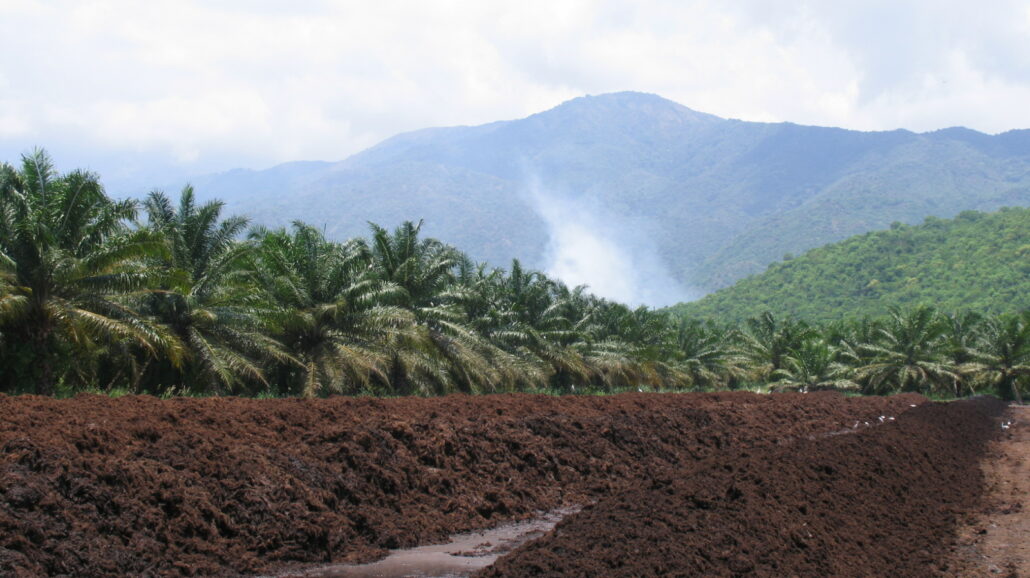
[{"x": 713, "y": 484}]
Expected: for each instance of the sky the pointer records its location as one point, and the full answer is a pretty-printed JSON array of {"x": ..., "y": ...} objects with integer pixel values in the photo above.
[{"x": 144, "y": 92}]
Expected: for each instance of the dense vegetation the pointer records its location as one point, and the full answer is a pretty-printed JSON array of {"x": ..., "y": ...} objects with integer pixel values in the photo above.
[
  {"x": 171, "y": 297},
  {"x": 975, "y": 262}
]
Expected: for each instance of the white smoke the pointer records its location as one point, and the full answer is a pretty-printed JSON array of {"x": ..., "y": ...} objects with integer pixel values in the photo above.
[{"x": 590, "y": 246}]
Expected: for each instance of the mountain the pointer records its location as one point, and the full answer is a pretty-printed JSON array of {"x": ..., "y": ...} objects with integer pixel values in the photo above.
[
  {"x": 709, "y": 200},
  {"x": 975, "y": 261}
]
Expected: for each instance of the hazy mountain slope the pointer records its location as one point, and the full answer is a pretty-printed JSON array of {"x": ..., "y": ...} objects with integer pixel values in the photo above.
[
  {"x": 918, "y": 179},
  {"x": 976, "y": 261},
  {"x": 714, "y": 199}
]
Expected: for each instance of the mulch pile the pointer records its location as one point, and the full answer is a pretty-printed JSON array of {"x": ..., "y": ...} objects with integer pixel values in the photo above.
[
  {"x": 882, "y": 502},
  {"x": 136, "y": 485}
]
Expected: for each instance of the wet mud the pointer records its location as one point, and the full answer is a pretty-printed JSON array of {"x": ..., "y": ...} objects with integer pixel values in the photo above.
[
  {"x": 463, "y": 555},
  {"x": 93, "y": 486}
]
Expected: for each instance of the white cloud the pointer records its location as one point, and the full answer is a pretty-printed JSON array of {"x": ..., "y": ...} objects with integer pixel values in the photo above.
[{"x": 209, "y": 85}]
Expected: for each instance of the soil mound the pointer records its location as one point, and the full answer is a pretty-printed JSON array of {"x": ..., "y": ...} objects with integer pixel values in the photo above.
[
  {"x": 96, "y": 486},
  {"x": 881, "y": 502}
]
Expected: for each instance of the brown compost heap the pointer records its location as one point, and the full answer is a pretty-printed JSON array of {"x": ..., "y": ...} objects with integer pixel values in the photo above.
[{"x": 725, "y": 483}]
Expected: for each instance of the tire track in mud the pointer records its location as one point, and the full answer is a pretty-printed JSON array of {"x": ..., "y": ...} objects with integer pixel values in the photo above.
[
  {"x": 996, "y": 541},
  {"x": 135, "y": 485}
]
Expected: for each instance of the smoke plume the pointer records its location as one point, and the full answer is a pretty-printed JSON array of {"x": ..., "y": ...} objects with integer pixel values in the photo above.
[{"x": 590, "y": 246}]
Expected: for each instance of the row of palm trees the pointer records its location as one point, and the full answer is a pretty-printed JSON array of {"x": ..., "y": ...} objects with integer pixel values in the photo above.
[
  {"x": 171, "y": 297},
  {"x": 918, "y": 349},
  {"x": 165, "y": 296}
]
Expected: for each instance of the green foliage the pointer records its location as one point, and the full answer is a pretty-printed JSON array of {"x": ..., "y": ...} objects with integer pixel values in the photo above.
[
  {"x": 68, "y": 259},
  {"x": 207, "y": 297},
  {"x": 975, "y": 262},
  {"x": 183, "y": 305}
]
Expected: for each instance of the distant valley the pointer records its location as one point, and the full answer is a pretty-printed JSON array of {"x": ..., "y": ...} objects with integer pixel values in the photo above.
[{"x": 645, "y": 199}]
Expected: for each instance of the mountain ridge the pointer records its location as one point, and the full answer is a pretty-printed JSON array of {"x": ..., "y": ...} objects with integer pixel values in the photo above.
[{"x": 719, "y": 198}]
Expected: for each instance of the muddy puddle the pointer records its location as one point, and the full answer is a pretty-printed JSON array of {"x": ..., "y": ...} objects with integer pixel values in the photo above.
[{"x": 463, "y": 555}]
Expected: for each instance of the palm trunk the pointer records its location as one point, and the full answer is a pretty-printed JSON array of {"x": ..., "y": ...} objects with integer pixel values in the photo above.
[
  {"x": 1014, "y": 387},
  {"x": 40, "y": 340}
]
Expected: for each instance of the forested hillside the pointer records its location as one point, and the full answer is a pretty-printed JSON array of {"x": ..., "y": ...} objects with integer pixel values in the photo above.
[
  {"x": 713, "y": 200},
  {"x": 976, "y": 261}
]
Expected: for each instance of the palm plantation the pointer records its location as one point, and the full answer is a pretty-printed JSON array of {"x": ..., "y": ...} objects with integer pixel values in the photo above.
[{"x": 191, "y": 300}]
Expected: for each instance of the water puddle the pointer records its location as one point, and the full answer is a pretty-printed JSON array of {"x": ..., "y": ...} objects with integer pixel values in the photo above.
[{"x": 462, "y": 556}]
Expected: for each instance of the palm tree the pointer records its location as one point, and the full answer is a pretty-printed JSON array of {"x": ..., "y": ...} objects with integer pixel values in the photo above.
[
  {"x": 766, "y": 342},
  {"x": 69, "y": 261},
  {"x": 812, "y": 367},
  {"x": 12, "y": 301},
  {"x": 497, "y": 307},
  {"x": 631, "y": 348},
  {"x": 208, "y": 297},
  {"x": 963, "y": 335},
  {"x": 332, "y": 315},
  {"x": 1003, "y": 358},
  {"x": 910, "y": 354},
  {"x": 704, "y": 355},
  {"x": 562, "y": 332},
  {"x": 445, "y": 355}
]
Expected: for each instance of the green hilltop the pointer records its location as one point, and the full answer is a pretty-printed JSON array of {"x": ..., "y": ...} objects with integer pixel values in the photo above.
[{"x": 976, "y": 261}]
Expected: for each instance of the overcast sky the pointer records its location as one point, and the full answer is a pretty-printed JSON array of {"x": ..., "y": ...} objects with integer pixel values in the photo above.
[{"x": 128, "y": 87}]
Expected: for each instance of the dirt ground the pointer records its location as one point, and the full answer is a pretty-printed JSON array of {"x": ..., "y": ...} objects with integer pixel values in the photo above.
[
  {"x": 996, "y": 542},
  {"x": 94, "y": 486},
  {"x": 883, "y": 502}
]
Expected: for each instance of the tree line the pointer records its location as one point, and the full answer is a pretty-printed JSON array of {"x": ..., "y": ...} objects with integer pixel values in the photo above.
[
  {"x": 976, "y": 261},
  {"x": 168, "y": 296}
]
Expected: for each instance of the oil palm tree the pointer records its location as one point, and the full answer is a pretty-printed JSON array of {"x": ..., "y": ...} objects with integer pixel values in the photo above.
[
  {"x": 910, "y": 354},
  {"x": 445, "y": 355},
  {"x": 332, "y": 315},
  {"x": 631, "y": 347},
  {"x": 963, "y": 333},
  {"x": 69, "y": 261},
  {"x": 208, "y": 297},
  {"x": 704, "y": 355},
  {"x": 812, "y": 367},
  {"x": 1003, "y": 358},
  {"x": 495, "y": 305},
  {"x": 12, "y": 301},
  {"x": 767, "y": 341}
]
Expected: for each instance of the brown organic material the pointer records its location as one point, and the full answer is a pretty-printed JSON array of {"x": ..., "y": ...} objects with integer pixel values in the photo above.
[
  {"x": 881, "y": 502},
  {"x": 136, "y": 485}
]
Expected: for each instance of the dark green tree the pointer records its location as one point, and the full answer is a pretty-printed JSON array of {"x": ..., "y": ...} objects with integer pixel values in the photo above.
[
  {"x": 69, "y": 262},
  {"x": 208, "y": 298},
  {"x": 910, "y": 354}
]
